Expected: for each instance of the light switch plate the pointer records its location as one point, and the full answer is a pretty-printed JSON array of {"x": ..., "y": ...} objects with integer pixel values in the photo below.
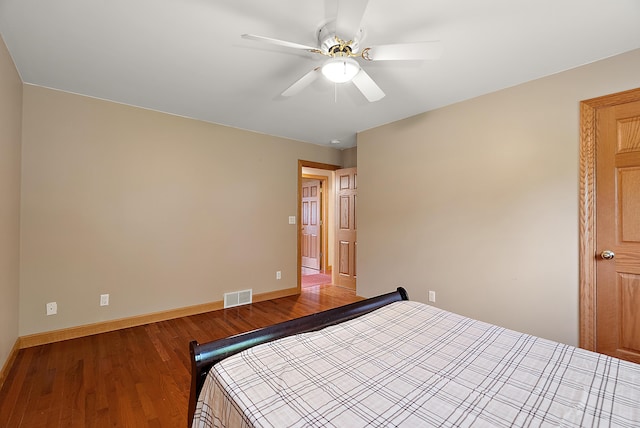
[{"x": 292, "y": 219}]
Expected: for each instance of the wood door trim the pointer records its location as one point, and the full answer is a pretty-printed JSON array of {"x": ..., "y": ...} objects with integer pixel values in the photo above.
[
  {"x": 305, "y": 164},
  {"x": 587, "y": 210}
]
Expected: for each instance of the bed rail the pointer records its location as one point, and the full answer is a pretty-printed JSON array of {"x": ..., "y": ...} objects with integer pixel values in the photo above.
[{"x": 204, "y": 356}]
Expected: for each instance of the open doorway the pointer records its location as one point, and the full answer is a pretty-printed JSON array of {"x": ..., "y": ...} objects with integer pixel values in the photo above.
[
  {"x": 316, "y": 213},
  {"x": 315, "y": 267}
]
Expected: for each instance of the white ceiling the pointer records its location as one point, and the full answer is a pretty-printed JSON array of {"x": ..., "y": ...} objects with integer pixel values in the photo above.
[{"x": 186, "y": 57}]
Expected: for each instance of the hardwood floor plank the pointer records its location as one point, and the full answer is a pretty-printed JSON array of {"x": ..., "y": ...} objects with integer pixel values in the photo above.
[
  {"x": 29, "y": 391},
  {"x": 138, "y": 376}
]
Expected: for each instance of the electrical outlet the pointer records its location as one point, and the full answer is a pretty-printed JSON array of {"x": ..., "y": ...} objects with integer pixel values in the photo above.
[
  {"x": 104, "y": 300},
  {"x": 278, "y": 275},
  {"x": 52, "y": 308},
  {"x": 432, "y": 296}
]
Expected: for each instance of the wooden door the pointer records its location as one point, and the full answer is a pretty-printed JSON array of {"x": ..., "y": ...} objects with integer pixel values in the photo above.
[
  {"x": 618, "y": 231},
  {"x": 311, "y": 197},
  {"x": 346, "y": 242}
]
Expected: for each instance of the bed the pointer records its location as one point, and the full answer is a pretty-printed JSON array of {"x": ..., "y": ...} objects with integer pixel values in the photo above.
[{"x": 389, "y": 361}]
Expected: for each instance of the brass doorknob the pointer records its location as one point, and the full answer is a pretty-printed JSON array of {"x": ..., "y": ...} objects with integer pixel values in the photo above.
[{"x": 607, "y": 255}]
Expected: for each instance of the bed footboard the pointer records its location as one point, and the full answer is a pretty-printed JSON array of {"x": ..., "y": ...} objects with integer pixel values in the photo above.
[{"x": 204, "y": 356}]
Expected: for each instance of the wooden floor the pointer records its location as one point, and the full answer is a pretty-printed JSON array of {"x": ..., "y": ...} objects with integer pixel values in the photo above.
[{"x": 136, "y": 377}]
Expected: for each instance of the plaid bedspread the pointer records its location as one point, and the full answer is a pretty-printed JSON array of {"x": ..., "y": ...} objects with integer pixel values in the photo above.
[{"x": 414, "y": 365}]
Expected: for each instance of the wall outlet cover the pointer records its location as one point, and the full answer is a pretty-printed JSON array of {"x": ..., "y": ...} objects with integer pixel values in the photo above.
[{"x": 52, "y": 308}]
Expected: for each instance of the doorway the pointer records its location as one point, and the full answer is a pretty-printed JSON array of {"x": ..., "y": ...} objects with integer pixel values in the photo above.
[
  {"x": 316, "y": 226},
  {"x": 312, "y": 222},
  {"x": 314, "y": 232}
]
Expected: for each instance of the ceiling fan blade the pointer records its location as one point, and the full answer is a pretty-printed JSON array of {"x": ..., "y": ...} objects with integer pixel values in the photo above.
[
  {"x": 350, "y": 13},
  {"x": 404, "y": 51},
  {"x": 367, "y": 86},
  {"x": 302, "y": 83},
  {"x": 278, "y": 42}
]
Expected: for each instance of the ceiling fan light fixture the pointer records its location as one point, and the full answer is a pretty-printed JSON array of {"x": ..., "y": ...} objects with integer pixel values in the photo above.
[{"x": 340, "y": 69}]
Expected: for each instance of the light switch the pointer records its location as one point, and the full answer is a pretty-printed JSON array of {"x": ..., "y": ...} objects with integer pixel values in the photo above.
[{"x": 292, "y": 219}]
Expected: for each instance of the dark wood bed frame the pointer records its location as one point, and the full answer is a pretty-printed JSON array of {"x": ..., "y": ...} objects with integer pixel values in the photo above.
[{"x": 204, "y": 356}]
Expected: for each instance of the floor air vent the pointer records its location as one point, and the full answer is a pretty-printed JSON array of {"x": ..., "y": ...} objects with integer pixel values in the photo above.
[{"x": 237, "y": 298}]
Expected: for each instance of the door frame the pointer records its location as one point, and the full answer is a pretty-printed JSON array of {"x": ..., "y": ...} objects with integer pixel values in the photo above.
[
  {"x": 587, "y": 209},
  {"x": 316, "y": 165}
]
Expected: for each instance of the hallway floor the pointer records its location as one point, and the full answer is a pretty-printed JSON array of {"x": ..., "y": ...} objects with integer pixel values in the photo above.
[{"x": 314, "y": 277}]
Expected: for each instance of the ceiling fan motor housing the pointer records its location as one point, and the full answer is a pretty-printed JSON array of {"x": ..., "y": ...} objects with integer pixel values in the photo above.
[
  {"x": 340, "y": 50},
  {"x": 328, "y": 43}
]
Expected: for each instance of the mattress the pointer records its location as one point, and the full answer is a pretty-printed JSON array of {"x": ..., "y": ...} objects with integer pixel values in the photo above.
[{"x": 414, "y": 365}]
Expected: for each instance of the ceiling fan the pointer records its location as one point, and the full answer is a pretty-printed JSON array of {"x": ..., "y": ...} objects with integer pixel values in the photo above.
[{"x": 339, "y": 40}]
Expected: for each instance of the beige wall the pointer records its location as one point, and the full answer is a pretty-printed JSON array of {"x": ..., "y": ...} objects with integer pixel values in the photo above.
[
  {"x": 350, "y": 157},
  {"x": 478, "y": 201},
  {"x": 10, "y": 131},
  {"x": 159, "y": 211}
]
